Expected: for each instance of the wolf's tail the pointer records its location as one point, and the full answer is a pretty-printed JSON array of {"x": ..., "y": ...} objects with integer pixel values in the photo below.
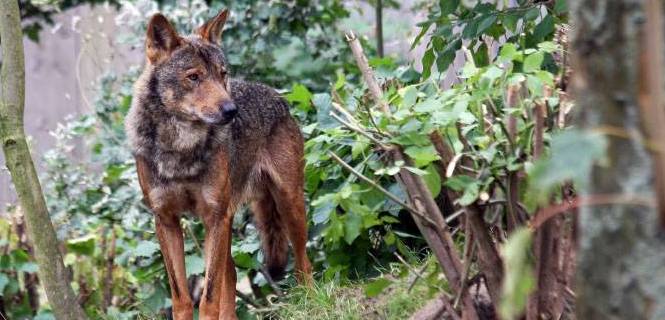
[{"x": 273, "y": 234}]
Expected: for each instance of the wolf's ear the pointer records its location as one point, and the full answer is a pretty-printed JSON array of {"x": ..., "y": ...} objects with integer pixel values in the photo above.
[
  {"x": 212, "y": 29},
  {"x": 161, "y": 38}
]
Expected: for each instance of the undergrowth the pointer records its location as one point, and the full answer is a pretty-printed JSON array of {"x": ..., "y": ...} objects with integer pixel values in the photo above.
[{"x": 397, "y": 294}]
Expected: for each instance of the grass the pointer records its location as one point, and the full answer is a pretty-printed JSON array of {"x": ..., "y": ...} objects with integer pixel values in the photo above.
[{"x": 350, "y": 301}]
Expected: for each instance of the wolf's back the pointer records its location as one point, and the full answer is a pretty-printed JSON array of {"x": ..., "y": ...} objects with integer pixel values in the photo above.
[{"x": 260, "y": 108}]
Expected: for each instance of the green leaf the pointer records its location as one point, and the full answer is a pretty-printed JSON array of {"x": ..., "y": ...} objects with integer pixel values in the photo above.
[
  {"x": 409, "y": 96},
  {"x": 510, "y": 21},
  {"x": 535, "y": 85},
  {"x": 519, "y": 280},
  {"x": 352, "y": 226},
  {"x": 470, "y": 29},
  {"x": 544, "y": 28},
  {"x": 4, "y": 281},
  {"x": 301, "y": 96},
  {"x": 470, "y": 194},
  {"x": 194, "y": 264},
  {"x": 375, "y": 287},
  {"x": 560, "y": 6},
  {"x": 565, "y": 162},
  {"x": 245, "y": 260},
  {"x": 427, "y": 106},
  {"x": 485, "y": 23},
  {"x": 83, "y": 245},
  {"x": 533, "y": 61},
  {"x": 433, "y": 180},
  {"x": 490, "y": 75},
  {"x": 323, "y": 104},
  {"x": 428, "y": 61},
  {"x": 481, "y": 56},
  {"x": 459, "y": 182},
  {"x": 509, "y": 52},
  {"x": 422, "y": 156},
  {"x": 423, "y": 31},
  {"x": 146, "y": 248},
  {"x": 448, "y": 6}
]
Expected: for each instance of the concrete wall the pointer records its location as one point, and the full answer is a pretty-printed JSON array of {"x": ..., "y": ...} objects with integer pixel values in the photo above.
[{"x": 61, "y": 71}]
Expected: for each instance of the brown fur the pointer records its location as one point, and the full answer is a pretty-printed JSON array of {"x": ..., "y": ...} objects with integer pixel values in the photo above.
[{"x": 194, "y": 156}]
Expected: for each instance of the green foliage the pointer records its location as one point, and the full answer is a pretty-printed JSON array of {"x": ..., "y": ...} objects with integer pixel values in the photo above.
[
  {"x": 519, "y": 280},
  {"x": 481, "y": 24}
]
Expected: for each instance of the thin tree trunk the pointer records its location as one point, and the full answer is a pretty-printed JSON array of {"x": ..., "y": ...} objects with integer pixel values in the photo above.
[
  {"x": 621, "y": 257},
  {"x": 52, "y": 271},
  {"x": 379, "y": 27},
  {"x": 547, "y": 301}
]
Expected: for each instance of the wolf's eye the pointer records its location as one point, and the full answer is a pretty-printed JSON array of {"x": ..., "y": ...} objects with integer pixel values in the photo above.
[{"x": 193, "y": 77}]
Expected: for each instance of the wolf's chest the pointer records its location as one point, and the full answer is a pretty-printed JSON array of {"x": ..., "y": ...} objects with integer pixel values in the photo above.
[{"x": 184, "y": 152}]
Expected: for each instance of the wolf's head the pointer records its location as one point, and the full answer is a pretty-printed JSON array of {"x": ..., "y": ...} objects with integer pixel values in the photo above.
[{"x": 190, "y": 72}]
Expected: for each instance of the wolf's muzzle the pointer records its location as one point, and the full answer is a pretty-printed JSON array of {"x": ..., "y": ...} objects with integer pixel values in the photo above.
[{"x": 229, "y": 110}]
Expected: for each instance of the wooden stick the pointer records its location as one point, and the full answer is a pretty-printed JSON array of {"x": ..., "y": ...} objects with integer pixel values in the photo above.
[
  {"x": 389, "y": 194},
  {"x": 593, "y": 200},
  {"x": 359, "y": 130},
  {"x": 367, "y": 72},
  {"x": 651, "y": 99}
]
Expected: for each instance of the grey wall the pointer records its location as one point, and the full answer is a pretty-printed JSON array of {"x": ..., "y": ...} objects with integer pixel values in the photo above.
[{"x": 60, "y": 74}]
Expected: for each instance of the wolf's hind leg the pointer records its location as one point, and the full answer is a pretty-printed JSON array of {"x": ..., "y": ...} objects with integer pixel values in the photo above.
[
  {"x": 287, "y": 176},
  {"x": 291, "y": 207},
  {"x": 272, "y": 230}
]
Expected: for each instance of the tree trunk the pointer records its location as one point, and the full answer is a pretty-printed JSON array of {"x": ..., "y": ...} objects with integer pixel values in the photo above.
[
  {"x": 52, "y": 271},
  {"x": 621, "y": 257}
]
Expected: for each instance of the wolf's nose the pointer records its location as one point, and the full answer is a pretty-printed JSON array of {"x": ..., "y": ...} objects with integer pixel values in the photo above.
[{"x": 229, "y": 109}]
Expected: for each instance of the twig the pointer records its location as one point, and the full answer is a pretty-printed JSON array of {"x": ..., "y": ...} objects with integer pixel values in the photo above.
[
  {"x": 419, "y": 275},
  {"x": 454, "y": 216},
  {"x": 451, "y": 309},
  {"x": 467, "y": 268},
  {"x": 411, "y": 268},
  {"x": 495, "y": 113},
  {"x": 366, "y": 71},
  {"x": 191, "y": 234},
  {"x": 346, "y": 113},
  {"x": 591, "y": 200},
  {"x": 389, "y": 194},
  {"x": 359, "y": 130},
  {"x": 247, "y": 300},
  {"x": 271, "y": 282}
]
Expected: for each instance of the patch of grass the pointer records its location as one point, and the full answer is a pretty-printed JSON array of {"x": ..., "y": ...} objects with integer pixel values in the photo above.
[{"x": 349, "y": 301}]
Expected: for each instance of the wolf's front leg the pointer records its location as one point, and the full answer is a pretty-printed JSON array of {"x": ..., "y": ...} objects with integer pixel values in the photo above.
[
  {"x": 170, "y": 237},
  {"x": 219, "y": 291}
]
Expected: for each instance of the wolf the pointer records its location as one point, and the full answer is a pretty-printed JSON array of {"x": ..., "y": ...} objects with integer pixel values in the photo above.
[{"x": 206, "y": 143}]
